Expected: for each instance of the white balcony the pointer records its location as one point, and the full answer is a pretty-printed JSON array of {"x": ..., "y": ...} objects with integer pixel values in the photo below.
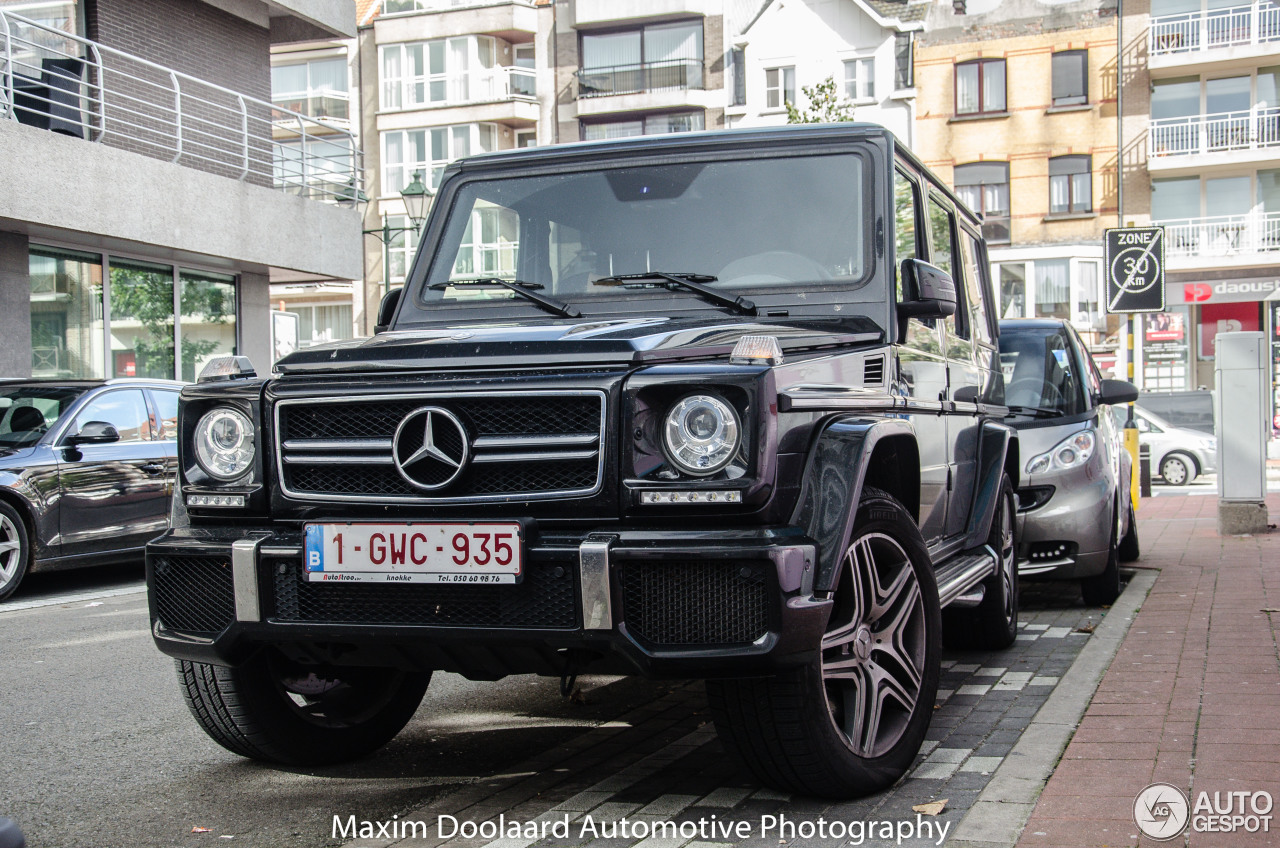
[
  {"x": 1225, "y": 138},
  {"x": 1176, "y": 41},
  {"x": 1251, "y": 239},
  {"x": 76, "y": 87}
]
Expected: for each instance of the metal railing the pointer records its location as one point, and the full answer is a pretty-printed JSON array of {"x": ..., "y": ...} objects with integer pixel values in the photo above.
[
  {"x": 1223, "y": 132},
  {"x": 70, "y": 85},
  {"x": 392, "y": 7},
  {"x": 669, "y": 75},
  {"x": 1223, "y": 235},
  {"x": 1237, "y": 26}
]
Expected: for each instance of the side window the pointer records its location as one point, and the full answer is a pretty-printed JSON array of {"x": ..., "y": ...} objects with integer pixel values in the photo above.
[
  {"x": 126, "y": 410},
  {"x": 978, "y": 288},
  {"x": 920, "y": 335},
  {"x": 942, "y": 254},
  {"x": 167, "y": 409}
]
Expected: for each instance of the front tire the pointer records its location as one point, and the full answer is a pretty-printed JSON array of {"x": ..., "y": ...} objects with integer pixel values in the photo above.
[
  {"x": 274, "y": 711},
  {"x": 993, "y": 624},
  {"x": 15, "y": 550},
  {"x": 852, "y": 720},
  {"x": 1102, "y": 590}
]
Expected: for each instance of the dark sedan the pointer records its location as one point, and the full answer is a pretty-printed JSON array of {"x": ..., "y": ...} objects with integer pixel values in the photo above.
[{"x": 86, "y": 471}]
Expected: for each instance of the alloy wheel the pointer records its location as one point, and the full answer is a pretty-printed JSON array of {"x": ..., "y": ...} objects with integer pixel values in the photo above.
[
  {"x": 1008, "y": 559},
  {"x": 10, "y": 550},
  {"x": 873, "y": 654}
]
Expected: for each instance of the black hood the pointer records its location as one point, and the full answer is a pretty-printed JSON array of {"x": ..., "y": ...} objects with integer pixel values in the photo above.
[{"x": 635, "y": 341}]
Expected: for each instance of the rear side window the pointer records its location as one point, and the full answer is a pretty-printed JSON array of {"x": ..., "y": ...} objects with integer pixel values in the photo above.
[
  {"x": 977, "y": 286},
  {"x": 167, "y": 410}
]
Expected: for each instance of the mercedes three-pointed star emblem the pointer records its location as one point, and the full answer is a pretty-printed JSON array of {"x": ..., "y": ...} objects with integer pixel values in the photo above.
[{"x": 430, "y": 448}]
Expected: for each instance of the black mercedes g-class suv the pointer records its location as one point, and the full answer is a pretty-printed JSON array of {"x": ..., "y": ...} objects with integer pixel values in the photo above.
[{"x": 717, "y": 405}]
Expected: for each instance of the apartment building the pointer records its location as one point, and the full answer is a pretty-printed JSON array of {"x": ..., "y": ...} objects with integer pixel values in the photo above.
[
  {"x": 152, "y": 193},
  {"x": 1017, "y": 110},
  {"x": 1202, "y": 146},
  {"x": 439, "y": 80},
  {"x": 864, "y": 46},
  {"x": 318, "y": 79}
]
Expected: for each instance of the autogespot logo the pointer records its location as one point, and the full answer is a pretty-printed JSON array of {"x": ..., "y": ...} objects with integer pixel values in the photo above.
[{"x": 1161, "y": 811}]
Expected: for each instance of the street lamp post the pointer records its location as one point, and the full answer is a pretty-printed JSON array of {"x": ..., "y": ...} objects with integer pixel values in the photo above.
[{"x": 417, "y": 199}]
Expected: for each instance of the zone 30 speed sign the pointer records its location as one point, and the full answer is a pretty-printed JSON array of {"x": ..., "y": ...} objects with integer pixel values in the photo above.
[{"x": 1135, "y": 269}]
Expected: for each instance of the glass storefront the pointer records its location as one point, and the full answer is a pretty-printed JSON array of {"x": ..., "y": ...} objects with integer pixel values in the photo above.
[{"x": 81, "y": 329}]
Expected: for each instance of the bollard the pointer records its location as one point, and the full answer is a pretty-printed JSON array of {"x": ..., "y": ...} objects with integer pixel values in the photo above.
[{"x": 1144, "y": 474}]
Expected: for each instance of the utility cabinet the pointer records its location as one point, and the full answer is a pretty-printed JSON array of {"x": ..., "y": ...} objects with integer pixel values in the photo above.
[{"x": 1241, "y": 368}]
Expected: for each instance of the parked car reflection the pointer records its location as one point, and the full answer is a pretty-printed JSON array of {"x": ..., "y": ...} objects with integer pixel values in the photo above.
[
  {"x": 86, "y": 471},
  {"x": 1075, "y": 516}
]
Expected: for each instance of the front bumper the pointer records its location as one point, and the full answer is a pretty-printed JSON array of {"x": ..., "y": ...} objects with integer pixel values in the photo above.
[
  {"x": 668, "y": 604},
  {"x": 1075, "y": 521}
]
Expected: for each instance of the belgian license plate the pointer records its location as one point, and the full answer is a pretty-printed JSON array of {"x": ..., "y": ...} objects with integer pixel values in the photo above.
[{"x": 479, "y": 553}]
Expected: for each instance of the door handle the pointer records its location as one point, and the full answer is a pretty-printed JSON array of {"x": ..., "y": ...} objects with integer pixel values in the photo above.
[{"x": 153, "y": 467}]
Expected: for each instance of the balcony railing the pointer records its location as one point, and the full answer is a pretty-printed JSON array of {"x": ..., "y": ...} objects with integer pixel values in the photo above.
[
  {"x": 1222, "y": 236},
  {"x": 669, "y": 75},
  {"x": 1223, "y": 132},
  {"x": 77, "y": 87},
  {"x": 1237, "y": 26}
]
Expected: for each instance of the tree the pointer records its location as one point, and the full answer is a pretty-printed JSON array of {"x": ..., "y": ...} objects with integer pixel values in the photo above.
[{"x": 826, "y": 106}]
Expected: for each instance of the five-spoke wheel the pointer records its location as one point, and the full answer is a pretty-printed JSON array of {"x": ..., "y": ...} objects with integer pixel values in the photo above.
[{"x": 15, "y": 551}]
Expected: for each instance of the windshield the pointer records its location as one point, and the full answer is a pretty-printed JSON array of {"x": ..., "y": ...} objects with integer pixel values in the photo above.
[
  {"x": 1041, "y": 373},
  {"x": 749, "y": 225},
  {"x": 27, "y": 412}
]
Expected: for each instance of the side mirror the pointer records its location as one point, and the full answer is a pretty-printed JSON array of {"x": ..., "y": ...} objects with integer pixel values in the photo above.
[
  {"x": 387, "y": 309},
  {"x": 95, "y": 433},
  {"x": 928, "y": 292},
  {"x": 1117, "y": 391}
]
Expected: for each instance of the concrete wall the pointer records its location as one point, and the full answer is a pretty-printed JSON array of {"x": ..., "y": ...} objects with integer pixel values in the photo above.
[
  {"x": 15, "y": 306},
  {"x": 77, "y": 187},
  {"x": 254, "y": 324}
]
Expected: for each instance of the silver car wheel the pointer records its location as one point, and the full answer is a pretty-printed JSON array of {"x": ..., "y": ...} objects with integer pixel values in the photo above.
[
  {"x": 1174, "y": 470},
  {"x": 11, "y": 553},
  {"x": 873, "y": 654}
]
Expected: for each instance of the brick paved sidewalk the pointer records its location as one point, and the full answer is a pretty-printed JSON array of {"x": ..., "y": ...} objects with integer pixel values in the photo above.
[{"x": 1193, "y": 696}]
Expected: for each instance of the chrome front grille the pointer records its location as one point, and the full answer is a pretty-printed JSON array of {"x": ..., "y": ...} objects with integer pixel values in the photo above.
[{"x": 518, "y": 445}]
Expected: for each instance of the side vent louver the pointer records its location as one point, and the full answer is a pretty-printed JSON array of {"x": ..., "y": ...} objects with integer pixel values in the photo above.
[{"x": 873, "y": 371}]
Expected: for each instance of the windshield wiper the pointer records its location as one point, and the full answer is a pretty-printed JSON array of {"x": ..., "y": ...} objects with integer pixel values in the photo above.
[
  {"x": 693, "y": 283},
  {"x": 1038, "y": 411},
  {"x": 520, "y": 287}
]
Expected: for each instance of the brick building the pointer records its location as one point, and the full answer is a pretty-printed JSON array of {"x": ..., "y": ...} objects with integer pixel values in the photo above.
[
  {"x": 153, "y": 192},
  {"x": 1017, "y": 110}
]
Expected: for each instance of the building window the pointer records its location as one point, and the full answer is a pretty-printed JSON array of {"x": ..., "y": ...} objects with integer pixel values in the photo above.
[
  {"x": 405, "y": 152},
  {"x": 984, "y": 187},
  {"x": 66, "y": 314},
  {"x": 317, "y": 89},
  {"x": 779, "y": 87},
  {"x": 1070, "y": 185},
  {"x": 323, "y": 322},
  {"x": 739, "y": 58},
  {"x": 208, "y": 320},
  {"x": 904, "y": 73},
  {"x": 433, "y": 73},
  {"x": 860, "y": 79},
  {"x": 661, "y": 57},
  {"x": 400, "y": 249},
  {"x": 1070, "y": 77},
  {"x": 1013, "y": 290},
  {"x": 649, "y": 125},
  {"x": 980, "y": 87}
]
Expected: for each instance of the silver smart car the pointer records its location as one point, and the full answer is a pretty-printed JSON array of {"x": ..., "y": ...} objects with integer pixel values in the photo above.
[{"x": 1075, "y": 517}]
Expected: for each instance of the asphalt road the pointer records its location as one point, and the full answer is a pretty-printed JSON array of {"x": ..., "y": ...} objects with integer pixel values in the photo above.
[{"x": 98, "y": 748}]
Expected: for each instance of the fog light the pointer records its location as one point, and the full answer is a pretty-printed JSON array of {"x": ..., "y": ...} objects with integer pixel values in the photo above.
[
  {"x": 234, "y": 501},
  {"x": 668, "y": 497}
]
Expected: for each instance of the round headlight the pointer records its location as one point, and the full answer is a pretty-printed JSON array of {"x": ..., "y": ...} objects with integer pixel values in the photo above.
[
  {"x": 701, "y": 434},
  {"x": 224, "y": 444}
]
